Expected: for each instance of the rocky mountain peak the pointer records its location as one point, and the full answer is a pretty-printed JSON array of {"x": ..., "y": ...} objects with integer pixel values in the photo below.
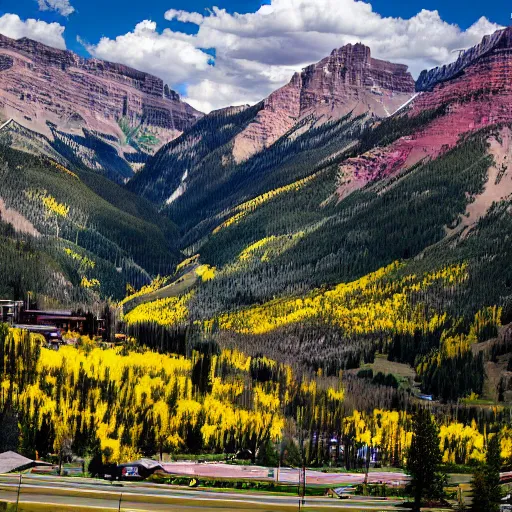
[
  {"x": 56, "y": 92},
  {"x": 348, "y": 80}
]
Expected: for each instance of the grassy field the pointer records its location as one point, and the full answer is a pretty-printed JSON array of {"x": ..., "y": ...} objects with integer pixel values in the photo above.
[{"x": 399, "y": 370}]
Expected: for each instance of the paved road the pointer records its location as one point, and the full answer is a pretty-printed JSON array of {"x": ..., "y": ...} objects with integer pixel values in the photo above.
[
  {"x": 56, "y": 492},
  {"x": 285, "y": 475}
]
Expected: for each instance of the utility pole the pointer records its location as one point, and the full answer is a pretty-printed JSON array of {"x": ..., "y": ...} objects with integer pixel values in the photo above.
[{"x": 19, "y": 491}]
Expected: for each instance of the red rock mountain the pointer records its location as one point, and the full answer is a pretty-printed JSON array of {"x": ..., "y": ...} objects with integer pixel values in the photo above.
[
  {"x": 475, "y": 91},
  {"x": 349, "y": 79},
  {"x": 45, "y": 89}
]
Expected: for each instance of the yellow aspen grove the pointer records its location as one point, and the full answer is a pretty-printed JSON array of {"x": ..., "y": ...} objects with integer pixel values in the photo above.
[
  {"x": 165, "y": 312},
  {"x": 126, "y": 402},
  {"x": 157, "y": 283},
  {"x": 240, "y": 211},
  {"x": 372, "y": 304}
]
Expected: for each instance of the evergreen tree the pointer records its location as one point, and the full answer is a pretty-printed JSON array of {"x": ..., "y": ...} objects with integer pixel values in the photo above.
[
  {"x": 479, "y": 491},
  {"x": 486, "y": 489},
  {"x": 493, "y": 460},
  {"x": 10, "y": 433},
  {"x": 424, "y": 458}
]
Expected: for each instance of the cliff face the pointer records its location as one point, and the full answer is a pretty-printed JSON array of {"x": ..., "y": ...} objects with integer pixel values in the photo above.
[
  {"x": 347, "y": 80},
  {"x": 480, "y": 92},
  {"x": 46, "y": 89},
  {"x": 500, "y": 40},
  {"x": 475, "y": 91}
]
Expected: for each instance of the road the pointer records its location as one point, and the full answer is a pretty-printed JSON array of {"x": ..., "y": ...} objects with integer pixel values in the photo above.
[
  {"x": 285, "y": 475},
  {"x": 65, "y": 494}
]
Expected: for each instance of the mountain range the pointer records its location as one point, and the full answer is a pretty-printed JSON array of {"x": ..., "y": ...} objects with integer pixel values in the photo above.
[
  {"x": 351, "y": 212},
  {"x": 105, "y": 116}
]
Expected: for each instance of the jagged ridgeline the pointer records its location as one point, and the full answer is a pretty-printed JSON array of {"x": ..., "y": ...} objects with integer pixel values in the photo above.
[
  {"x": 82, "y": 232},
  {"x": 237, "y": 153}
]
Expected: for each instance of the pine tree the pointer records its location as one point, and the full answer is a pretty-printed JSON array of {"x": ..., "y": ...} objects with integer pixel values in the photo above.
[
  {"x": 493, "y": 460},
  {"x": 479, "y": 491},
  {"x": 424, "y": 458},
  {"x": 9, "y": 440},
  {"x": 486, "y": 489}
]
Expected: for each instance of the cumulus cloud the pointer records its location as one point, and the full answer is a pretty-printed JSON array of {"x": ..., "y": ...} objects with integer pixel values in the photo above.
[
  {"x": 258, "y": 51},
  {"x": 61, "y": 6},
  {"x": 170, "y": 55},
  {"x": 11, "y": 25}
]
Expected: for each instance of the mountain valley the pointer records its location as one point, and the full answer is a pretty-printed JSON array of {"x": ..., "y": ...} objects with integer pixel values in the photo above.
[{"x": 324, "y": 262}]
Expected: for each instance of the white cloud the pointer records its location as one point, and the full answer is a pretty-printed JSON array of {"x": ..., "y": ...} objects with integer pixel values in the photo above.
[
  {"x": 61, "y": 6},
  {"x": 184, "y": 16},
  {"x": 48, "y": 33},
  {"x": 170, "y": 55},
  {"x": 258, "y": 52}
]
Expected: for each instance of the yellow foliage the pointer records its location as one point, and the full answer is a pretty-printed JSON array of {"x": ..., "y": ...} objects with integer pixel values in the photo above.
[
  {"x": 266, "y": 249},
  {"x": 461, "y": 444},
  {"x": 337, "y": 395},
  {"x": 236, "y": 359},
  {"x": 52, "y": 205},
  {"x": 157, "y": 283},
  {"x": 243, "y": 209},
  {"x": 371, "y": 304},
  {"x": 89, "y": 283},
  {"x": 63, "y": 169},
  {"x": 186, "y": 262},
  {"x": 170, "y": 311},
  {"x": 247, "y": 252},
  {"x": 84, "y": 261},
  {"x": 113, "y": 387},
  {"x": 205, "y": 272}
]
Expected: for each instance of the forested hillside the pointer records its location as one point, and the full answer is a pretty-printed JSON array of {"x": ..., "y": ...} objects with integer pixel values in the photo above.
[
  {"x": 237, "y": 153},
  {"x": 352, "y": 238},
  {"x": 93, "y": 113},
  {"x": 309, "y": 268},
  {"x": 86, "y": 236}
]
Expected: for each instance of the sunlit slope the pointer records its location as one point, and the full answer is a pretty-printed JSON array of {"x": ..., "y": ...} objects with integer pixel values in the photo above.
[
  {"x": 296, "y": 274},
  {"x": 304, "y": 238}
]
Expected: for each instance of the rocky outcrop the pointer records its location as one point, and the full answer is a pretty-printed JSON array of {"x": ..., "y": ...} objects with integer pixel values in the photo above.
[
  {"x": 348, "y": 80},
  {"x": 478, "y": 94},
  {"x": 500, "y": 40},
  {"x": 46, "y": 89},
  {"x": 475, "y": 91}
]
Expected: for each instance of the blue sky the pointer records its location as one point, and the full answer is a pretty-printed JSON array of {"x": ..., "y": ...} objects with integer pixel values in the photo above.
[
  {"x": 93, "y": 19},
  {"x": 257, "y": 51}
]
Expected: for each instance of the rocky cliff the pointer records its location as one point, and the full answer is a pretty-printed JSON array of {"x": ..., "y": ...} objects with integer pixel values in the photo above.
[
  {"x": 349, "y": 79},
  {"x": 490, "y": 44},
  {"x": 50, "y": 90},
  {"x": 475, "y": 92}
]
